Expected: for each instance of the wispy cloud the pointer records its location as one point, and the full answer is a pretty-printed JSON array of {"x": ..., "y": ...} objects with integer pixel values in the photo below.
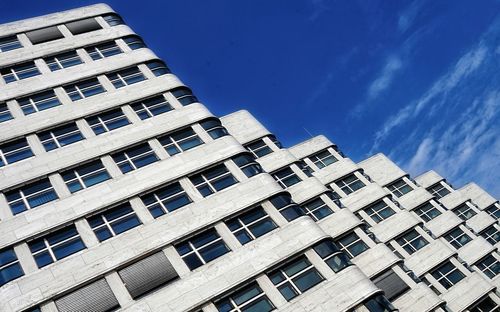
[
  {"x": 392, "y": 65},
  {"x": 319, "y": 7},
  {"x": 407, "y": 17}
]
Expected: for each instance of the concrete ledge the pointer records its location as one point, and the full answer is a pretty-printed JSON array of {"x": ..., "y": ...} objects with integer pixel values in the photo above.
[
  {"x": 307, "y": 189},
  {"x": 466, "y": 292},
  {"x": 429, "y": 178},
  {"x": 364, "y": 197},
  {"x": 381, "y": 169},
  {"x": 339, "y": 222},
  {"x": 376, "y": 260},
  {"x": 310, "y": 146},
  {"x": 418, "y": 299},
  {"x": 425, "y": 259},
  {"x": 244, "y": 127},
  {"x": 395, "y": 225},
  {"x": 336, "y": 170},
  {"x": 480, "y": 221},
  {"x": 277, "y": 160},
  {"x": 475, "y": 250},
  {"x": 414, "y": 198},
  {"x": 443, "y": 223}
]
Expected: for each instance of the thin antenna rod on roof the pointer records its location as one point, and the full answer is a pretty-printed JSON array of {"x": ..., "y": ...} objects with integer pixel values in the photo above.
[{"x": 308, "y": 132}]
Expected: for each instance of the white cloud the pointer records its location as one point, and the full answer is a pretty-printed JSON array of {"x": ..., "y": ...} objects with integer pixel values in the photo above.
[
  {"x": 408, "y": 16},
  {"x": 392, "y": 65}
]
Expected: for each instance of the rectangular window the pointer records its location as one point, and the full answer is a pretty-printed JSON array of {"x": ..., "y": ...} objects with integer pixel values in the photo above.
[
  {"x": 103, "y": 50},
  {"x": 259, "y": 148},
  {"x": 491, "y": 234},
  {"x": 84, "y": 89},
  {"x": 214, "y": 128},
  {"x": 44, "y": 35},
  {"x": 107, "y": 121},
  {"x": 10, "y": 269},
  {"x": 438, "y": 190},
  {"x": 457, "y": 238},
  {"x": 4, "y": 113},
  {"x": 392, "y": 285},
  {"x": 96, "y": 297},
  {"x": 489, "y": 266},
  {"x": 85, "y": 176},
  {"x": 350, "y": 184},
  {"x": 83, "y": 26},
  {"x": 202, "y": 249},
  {"x": 184, "y": 96},
  {"x": 464, "y": 212},
  {"x": 213, "y": 180},
  {"x": 249, "y": 299},
  {"x": 286, "y": 177},
  {"x": 485, "y": 305},
  {"x": 251, "y": 225},
  {"x": 134, "y": 42},
  {"x": 30, "y": 196},
  {"x": 332, "y": 255},
  {"x": 427, "y": 212},
  {"x": 19, "y": 72},
  {"x": 411, "y": 241},
  {"x": 114, "y": 221},
  {"x": 158, "y": 68},
  {"x": 352, "y": 245},
  {"x": 38, "y": 102},
  {"x": 248, "y": 165},
  {"x": 317, "y": 209},
  {"x": 135, "y": 157},
  {"x": 379, "y": 211},
  {"x": 113, "y": 19},
  {"x": 151, "y": 107},
  {"x": 296, "y": 277},
  {"x": 56, "y": 246},
  {"x": 63, "y": 60},
  {"x": 180, "y": 141},
  {"x": 447, "y": 274},
  {"x": 9, "y": 43},
  {"x": 14, "y": 151},
  {"x": 492, "y": 210},
  {"x": 323, "y": 159},
  {"x": 166, "y": 199},
  {"x": 287, "y": 207},
  {"x": 126, "y": 77},
  {"x": 399, "y": 188},
  {"x": 60, "y": 136},
  {"x": 305, "y": 168}
]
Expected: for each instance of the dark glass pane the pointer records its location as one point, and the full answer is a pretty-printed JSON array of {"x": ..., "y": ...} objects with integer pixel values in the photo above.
[
  {"x": 307, "y": 280},
  {"x": 43, "y": 259},
  {"x": 125, "y": 224},
  {"x": 213, "y": 251},
  {"x": 192, "y": 261},
  {"x": 10, "y": 273},
  {"x": 68, "y": 248}
]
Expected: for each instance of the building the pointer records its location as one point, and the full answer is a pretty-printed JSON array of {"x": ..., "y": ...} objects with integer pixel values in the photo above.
[{"x": 120, "y": 191}]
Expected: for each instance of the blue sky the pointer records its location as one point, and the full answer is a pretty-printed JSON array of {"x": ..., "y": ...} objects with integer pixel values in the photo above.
[{"x": 416, "y": 80}]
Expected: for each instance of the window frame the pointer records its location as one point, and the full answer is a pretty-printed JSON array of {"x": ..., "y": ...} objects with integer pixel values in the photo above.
[
  {"x": 11, "y": 155},
  {"x": 437, "y": 189},
  {"x": 491, "y": 237},
  {"x": 34, "y": 103},
  {"x": 76, "y": 92},
  {"x": 9, "y": 43},
  {"x": 221, "y": 304},
  {"x": 59, "y": 61},
  {"x": 130, "y": 160},
  {"x": 486, "y": 268},
  {"x": 209, "y": 182},
  {"x": 81, "y": 178},
  {"x": 102, "y": 50},
  {"x": 171, "y": 141},
  {"x": 13, "y": 262},
  {"x": 443, "y": 279},
  {"x": 456, "y": 239},
  {"x": 257, "y": 150},
  {"x": 126, "y": 77},
  {"x": 321, "y": 206},
  {"x": 429, "y": 214},
  {"x": 346, "y": 247},
  {"x": 56, "y": 138},
  {"x": 21, "y": 196},
  {"x": 399, "y": 188},
  {"x": 98, "y": 121},
  {"x": 5, "y": 113},
  {"x": 160, "y": 202},
  {"x": 464, "y": 211},
  {"x": 319, "y": 161},
  {"x": 343, "y": 185},
  {"x": 108, "y": 223},
  {"x": 377, "y": 212},
  {"x": 287, "y": 176},
  {"x": 247, "y": 227},
  {"x": 408, "y": 243},
  {"x": 148, "y": 107},
  {"x": 16, "y": 72}
]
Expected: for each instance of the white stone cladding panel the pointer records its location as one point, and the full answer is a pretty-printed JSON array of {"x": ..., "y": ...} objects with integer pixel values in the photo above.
[
  {"x": 277, "y": 160},
  {"x": 480, "y": 221},
  {"x": 479, "y": 196},
  {"x": 336, "y": 170},
  {"x": 429, "y": 178},
  {"x": 418, "y": 299},
  {"x": 381, "y": 169},
  {"x": 364, "y": 196},
  {"x": 306, "y": 189},
  {"x": 429, "y": 257},
  {"x": 376, "y": 260},
  {"x": 394, "y": 226},
  {"x": 105, "y": 143},
  {"x": 243, "y": 126},
  {"x": 310, "y": 146},
  {"x": 85, "y": 107},
  {"x": 443, "y": 223},
  {"x": 466, "y": 292},
  {"x": 414, "y": 198},
  {"x": 339, "y": 223},
  {"x": 453, "y": 200},
  {"x": 475, "y": 250}
]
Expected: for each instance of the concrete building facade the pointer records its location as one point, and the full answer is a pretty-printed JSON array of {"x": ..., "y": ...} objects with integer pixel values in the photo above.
[{"x": 119, "y": 190}]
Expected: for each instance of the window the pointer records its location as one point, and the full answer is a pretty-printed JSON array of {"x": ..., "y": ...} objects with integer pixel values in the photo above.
[
  {"x": 158, "y": 68},
  {"x": 19, "y": 72},
  {"x": 85, "y": 176},
  {"x": 126, "y": 77},
  {"x": 447, "y": 274},
  {"x": 332, "y": 255},
  {"x": 259, "y": 148},
  {"x": 30, "y": 196},
  {"x": 305, "y": 168},
  {"x": 103, "y": 50},
  {"x": 485, "y": 305},
  {"x": 275, "y": 141},
  {"x": 166, "y": 199},
  {"x": 427, "y": 212},
  {"x": 135, "y": 157},
  {"x": 113, "y": 221},
  {"x": 14, "y": 151},
  {"x": 214, "y": 128},
  {"x": 63, "y": 60},
  {"x": 202, "y": 249},
  {"x": 317, "y": 209},
  {"x": 392, "y": 285},
  {"x": 250, "y": 225},
  {"x": 295, "y": 278},
  {"x": 379, "y": 304},
  {"x": 248, "y": 165},
  {"x": 352, "y": 245},
  {"x": 107, "y": 121},
  {"x": 10, "y": 269},
  {"x": 56, "y": 246},
  {"x": 248, "y": 299},
  {"x": 457, "y": 238},
  {"x": 285, "y": 205},
  {"x": 491, "y": 234},
  {"x": 492, "y": 210},
  {"x": 464, "y": 211},
  {"x": 399, "y": 188},
  {"x": 286, "y": 177},
  {"x": 213, "y": 180},
  {"x": 83, "y": 26},
  {"x": 411, "y": 241},
  {"x": 113, "y": 19},
  {"x": 151, "y": 107},
  {"x": 44, "y": 35},
  {"x": 84, "y": 89},
  {"x": 181, "y": 140},
  {"x": 60, "y": 136},
  {"x": 9, "y": 43},
  {"x": 438, "y": 190},
  {"x": 379, "y": 211},
  {"x": 323, "y": 159},
  {"x": 4, "y": 113},
  {"x": 184, "y": 96},
  {"x": 96, "y": 297},
  {"x": 489, "y": 266},
  {"x": 350, "y": 184},
  {"x": 134, "y": 42},
  {"x": 38, "y": 102}
]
